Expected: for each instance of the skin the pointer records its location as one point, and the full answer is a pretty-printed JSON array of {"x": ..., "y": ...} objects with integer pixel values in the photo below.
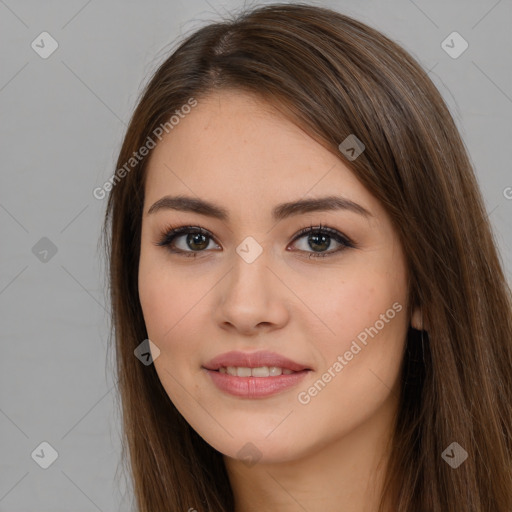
[{"x": 330, "y": 454}]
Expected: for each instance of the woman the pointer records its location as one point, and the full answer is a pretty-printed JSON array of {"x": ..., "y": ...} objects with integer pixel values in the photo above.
[{"x": 309, "y": 309}]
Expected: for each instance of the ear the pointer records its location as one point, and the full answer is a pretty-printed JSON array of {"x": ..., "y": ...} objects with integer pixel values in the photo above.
[{"x": 417, "y": 319}]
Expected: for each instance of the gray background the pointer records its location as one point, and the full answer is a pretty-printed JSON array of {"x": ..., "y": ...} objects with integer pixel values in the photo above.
[{"x": 62, "y": 121}]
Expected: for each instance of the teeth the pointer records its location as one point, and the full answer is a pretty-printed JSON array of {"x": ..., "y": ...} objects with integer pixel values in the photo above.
[
  {"x": 243, "y": 372},
  {"x": 262, "y": 371}
]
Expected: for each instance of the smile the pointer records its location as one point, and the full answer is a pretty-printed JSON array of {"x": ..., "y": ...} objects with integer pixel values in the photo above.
[{"x": 261, "y": 371}]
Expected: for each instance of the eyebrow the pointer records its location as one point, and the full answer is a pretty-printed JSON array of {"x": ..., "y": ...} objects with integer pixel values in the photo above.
[{"x": 279, "y": 212}]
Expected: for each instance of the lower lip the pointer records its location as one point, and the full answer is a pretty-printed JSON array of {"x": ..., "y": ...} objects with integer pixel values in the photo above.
[{"x": 255, "y": 387}]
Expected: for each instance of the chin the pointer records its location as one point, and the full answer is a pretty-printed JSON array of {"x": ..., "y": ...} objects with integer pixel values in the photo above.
[{"x": 252, "y": 443}]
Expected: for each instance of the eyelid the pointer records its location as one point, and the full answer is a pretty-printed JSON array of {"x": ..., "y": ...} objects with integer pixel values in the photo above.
[
  {"x": 170, "y": 233},
  {"x": 324, "y": 229}
]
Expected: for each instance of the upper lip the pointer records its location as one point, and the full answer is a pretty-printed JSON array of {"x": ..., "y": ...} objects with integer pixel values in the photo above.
[{"x": 253, "y": 360}]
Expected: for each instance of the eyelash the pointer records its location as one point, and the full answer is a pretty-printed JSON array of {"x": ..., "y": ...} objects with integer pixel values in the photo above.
[{"x": 170, "y": 233}]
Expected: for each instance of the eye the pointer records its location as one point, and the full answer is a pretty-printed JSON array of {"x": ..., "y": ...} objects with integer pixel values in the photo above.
[
  {"x": 195, "y": 239},
  {"x": 320, "y": 239}
]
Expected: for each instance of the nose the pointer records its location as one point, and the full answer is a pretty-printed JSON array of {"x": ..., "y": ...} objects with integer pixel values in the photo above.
[{"x": 252, "y": 298}]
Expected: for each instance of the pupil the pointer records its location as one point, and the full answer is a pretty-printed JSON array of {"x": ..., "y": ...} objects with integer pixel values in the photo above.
[
  {"x": 193, "y": 237},
  {"x": 316, "y": 237}
]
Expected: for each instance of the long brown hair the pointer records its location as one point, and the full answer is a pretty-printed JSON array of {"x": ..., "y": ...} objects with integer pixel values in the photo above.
[{"x": 335, "y": 76}]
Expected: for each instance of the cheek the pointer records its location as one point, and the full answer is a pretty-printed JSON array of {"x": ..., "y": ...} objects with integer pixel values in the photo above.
[
  {"x": 355, "y": 301},
  {"x": 168, "y": 298},
  {"x": 177, "y": 314},
  {"x": 173, "y": 323},
  {"x": 367, "y": 329},
  {"x": 361, "y": 363}
]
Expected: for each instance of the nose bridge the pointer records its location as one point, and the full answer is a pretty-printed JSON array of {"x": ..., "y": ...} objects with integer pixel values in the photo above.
[
  {"x": 251, "y": 293},
  {"x": 250, "y": 272}
]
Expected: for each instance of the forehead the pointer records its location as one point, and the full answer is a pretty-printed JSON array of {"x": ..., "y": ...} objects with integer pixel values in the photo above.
[{"x": 236, "y": 146}]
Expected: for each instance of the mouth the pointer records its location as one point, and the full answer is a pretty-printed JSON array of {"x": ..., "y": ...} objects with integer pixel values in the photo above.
[
  {"x": 254, "y": 375},
  {"x": 259, "y": 362},
  {"x": 260, "y": 371}
]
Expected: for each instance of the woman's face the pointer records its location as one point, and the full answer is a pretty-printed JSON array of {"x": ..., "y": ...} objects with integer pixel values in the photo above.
[{"x": 333, "y": 302}]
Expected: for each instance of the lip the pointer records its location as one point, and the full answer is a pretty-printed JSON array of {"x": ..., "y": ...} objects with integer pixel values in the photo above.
[
  {"x": 254, "y": 387},
  {"x": 254, "y": 360}
]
